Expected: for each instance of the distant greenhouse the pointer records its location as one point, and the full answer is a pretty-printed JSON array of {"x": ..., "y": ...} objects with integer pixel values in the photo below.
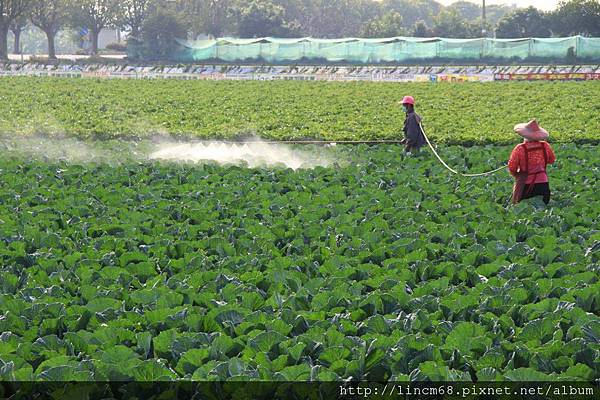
[{"x": 389, "y": 50}]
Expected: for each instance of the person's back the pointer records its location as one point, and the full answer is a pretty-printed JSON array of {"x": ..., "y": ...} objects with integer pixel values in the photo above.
[
  {"x": 532, "y": 157},
  {"x": 528, "y": 162}
]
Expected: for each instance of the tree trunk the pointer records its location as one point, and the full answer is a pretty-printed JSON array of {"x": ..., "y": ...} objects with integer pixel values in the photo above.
[
  {"x": 17, "y": 46},
  {"x": 134, "y": 32},
  {"x": 4, "y": 43},
  {"x": 94, "y": 38},
  {"x": 51, "y": 46}
]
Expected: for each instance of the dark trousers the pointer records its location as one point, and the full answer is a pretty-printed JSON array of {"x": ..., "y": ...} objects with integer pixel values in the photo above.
[
  {"x": 412, "y": 147},
  {"x": 538, "y": 189}
]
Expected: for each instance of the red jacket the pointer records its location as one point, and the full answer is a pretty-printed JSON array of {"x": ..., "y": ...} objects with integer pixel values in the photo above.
[{"x": 532, "y": 157}]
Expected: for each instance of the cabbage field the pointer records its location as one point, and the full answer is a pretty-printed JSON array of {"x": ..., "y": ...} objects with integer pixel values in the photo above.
[
  {"x": 376, "y": 267},
  {"x": 379, "y": 267},
  {"x": 476, "y": 113}
]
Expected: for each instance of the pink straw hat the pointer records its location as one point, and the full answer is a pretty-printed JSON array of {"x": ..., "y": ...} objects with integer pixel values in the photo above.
[{"x": 532, "y": 131}]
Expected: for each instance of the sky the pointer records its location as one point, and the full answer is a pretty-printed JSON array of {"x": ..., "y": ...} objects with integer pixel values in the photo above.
[{"x": 541, "y": 4}]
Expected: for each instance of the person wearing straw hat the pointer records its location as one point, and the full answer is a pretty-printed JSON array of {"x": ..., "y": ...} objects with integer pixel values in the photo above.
[
  {"x": 528, "y": 161},
  {"x": 413, "y": 137}
]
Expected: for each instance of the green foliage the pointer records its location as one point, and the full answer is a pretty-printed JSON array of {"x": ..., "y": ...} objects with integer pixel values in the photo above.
[
  {"x": 133, "y": 14},
  {"x": 453, "y": 113},
  {"x": 159, "y": 32},
  {"x": 121, "y": 47},
  {"x": 467, "y": 10},
  {"x": 523, "y": 23},
  {"x": 381, "y": 267},
  {"x": 450, "y": 24},
  {"x": 214, "y": 17},
  {"x": 577, "y": 17},
  {"x": 260, "y": 18},
  {"x": 413, "y": 11},
  {"x": 421, "y": 29},
  {"x": 389, "y": 25}
]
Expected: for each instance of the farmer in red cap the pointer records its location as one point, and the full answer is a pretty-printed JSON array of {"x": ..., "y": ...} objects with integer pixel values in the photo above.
[
  {"x": 528, "y": 163},
  {"x": 413, "y": 136}
]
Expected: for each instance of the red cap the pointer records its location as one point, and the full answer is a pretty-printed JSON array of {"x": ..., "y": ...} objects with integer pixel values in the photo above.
[{"x": 408, "y": 100}]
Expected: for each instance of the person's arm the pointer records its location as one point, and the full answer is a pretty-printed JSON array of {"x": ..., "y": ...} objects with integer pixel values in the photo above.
[
  {"x": 514, "y": 161},
  {"x": 404, "y": 131},
  {"x": 550, "y": 153}
]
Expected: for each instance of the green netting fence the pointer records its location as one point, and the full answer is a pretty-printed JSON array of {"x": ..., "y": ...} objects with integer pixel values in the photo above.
[{"x": 390, "y": 50}]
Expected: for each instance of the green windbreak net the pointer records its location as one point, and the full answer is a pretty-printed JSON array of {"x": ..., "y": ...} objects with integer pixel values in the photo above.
[{"x": 390, "y": 50}]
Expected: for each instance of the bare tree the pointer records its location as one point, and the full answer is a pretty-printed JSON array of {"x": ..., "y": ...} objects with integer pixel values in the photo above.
[
  {"x": 94, "y": 15},
  {"x": 50, "y": 16},
  {"x": 133, "y": 13},
  {"x": 10, "y": 10}
]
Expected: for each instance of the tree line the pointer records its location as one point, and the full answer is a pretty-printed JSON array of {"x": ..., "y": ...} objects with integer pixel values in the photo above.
[{"x": 157, "y": 22}]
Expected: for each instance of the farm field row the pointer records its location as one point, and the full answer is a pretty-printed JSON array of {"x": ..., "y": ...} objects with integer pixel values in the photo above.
[
  {"x": 381, "y": 267},
  {"x": 454, "y": 113}
]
